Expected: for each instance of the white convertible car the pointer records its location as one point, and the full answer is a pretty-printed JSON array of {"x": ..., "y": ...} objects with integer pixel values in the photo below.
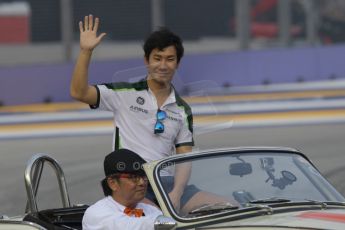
[{"x": 266, "y": 188}]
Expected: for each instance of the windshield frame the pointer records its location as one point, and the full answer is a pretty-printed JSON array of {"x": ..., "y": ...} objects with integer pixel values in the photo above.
[{"x": 218, "y": 153}]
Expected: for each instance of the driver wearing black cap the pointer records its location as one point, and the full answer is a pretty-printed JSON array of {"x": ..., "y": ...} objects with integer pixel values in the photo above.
[{"x": 124, "y": 186}]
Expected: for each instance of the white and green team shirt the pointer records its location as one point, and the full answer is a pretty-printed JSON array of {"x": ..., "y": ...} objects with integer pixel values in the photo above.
[{"x": 134, "y": 107}]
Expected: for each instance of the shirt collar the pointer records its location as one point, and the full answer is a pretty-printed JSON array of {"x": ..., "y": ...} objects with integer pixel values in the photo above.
[
  {"x": 143, "y": 83},
  {"x": 172, "y": 96},
  {"x": 118, "y": 206}
]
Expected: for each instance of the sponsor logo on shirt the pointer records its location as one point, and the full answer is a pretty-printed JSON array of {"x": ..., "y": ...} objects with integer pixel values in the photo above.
[
  {"x": 172, "y": 118},
  {"x": 138, "y": 109},
  {"x": 140, "y": 100},
  {"x": 172, "y": 111}
]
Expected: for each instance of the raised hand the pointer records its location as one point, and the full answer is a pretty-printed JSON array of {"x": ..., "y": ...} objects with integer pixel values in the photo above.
[{"x": 88, "y": 33}]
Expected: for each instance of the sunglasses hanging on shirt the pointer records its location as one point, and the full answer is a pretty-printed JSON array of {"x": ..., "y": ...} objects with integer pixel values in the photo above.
[{"x": 159, "y": 126}]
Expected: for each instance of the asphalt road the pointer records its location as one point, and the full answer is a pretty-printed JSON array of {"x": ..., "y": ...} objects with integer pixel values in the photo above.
[{"x": 82, "y": 159}]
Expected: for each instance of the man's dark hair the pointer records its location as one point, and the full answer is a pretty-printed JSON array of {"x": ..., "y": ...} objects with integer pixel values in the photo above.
[
  {"x": 161, "y": 39},
  {"x": 106, "y": 190}
]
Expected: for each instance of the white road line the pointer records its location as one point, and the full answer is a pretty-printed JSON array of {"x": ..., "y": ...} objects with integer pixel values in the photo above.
[
  {"x": 199, "y": 129},
  {"x": 203, "y": 109}
]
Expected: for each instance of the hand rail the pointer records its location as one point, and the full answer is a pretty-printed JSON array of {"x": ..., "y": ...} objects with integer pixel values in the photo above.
[{"x": 32, "y": 178}]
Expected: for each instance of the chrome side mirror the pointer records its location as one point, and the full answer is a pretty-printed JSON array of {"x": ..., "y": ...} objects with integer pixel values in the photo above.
[{"x": 164, "y": 223}]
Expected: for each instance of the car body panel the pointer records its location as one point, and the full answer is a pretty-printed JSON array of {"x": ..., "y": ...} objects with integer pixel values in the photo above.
[
  {"x": 316, "y": 219},
  {"x": 19, "y": 225},
  {"x": 289, "y": 216},
  {"x": 265, "y": 188}
]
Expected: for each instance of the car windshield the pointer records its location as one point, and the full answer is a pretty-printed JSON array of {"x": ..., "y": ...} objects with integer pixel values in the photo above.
[{"x": 228, "y": 181}]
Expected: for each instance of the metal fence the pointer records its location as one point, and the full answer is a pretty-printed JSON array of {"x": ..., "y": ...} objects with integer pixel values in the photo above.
[
  {"x": 192, "y": 19},
  {"x": 276, "y": 22}
]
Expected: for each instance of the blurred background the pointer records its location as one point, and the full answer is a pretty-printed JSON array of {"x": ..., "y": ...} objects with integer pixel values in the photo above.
[
  {"x": 228, "y": 42},
  {"x": 255, "y": 72}
]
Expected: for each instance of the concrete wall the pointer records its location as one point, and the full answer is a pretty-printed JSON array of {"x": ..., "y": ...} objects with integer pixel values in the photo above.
[
  {"x": 273, "y": 66},
  {"x": 35, "y": 84}
]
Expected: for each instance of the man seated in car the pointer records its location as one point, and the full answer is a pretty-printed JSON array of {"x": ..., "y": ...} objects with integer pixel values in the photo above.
[{"x": 124, "y": 187}]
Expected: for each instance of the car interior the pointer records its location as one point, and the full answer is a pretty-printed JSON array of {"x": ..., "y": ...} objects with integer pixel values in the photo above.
[{"x": 67, "y": 217}]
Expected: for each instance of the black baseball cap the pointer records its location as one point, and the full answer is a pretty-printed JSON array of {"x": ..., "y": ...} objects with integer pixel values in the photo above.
[{"x": 123, "y": 161}]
